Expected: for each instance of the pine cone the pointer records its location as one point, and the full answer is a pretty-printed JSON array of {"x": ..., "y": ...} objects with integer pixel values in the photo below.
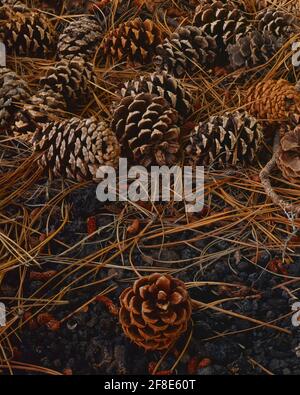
[
  {"x": 155, "y": 312},
  {"x": 147, "y": 128},
  {"x": 41, "y": 107},
  {"x": 224, "y": 21},
  {"x": 273, "y": 100},
  {"x": 71, "y": 78},
  {"x": 26, "y": 32},
  {"x": 80, "y": 38},
  {"x": 13, "y": 91},
  {"x": 76, "y": 148},
  {"x": 164, "y": 85},
  {"x": 134, "y": 41},
  {"x": 231, "y": 139},
  {"x": 288, "y": 160},
  {"x": 252, "y": 50},
  {"x": 276, "y": 22},
  {"x": 186, "y": 51}
]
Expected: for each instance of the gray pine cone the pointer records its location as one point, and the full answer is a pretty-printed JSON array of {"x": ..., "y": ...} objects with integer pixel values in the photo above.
[
  {"x": 186, "y": 51},
  {"x": 80, "y": 38},
  {"x": 13, "y": 91},
  {"x": 252, "y": 50},
  {"x": 276, "y": 22}
]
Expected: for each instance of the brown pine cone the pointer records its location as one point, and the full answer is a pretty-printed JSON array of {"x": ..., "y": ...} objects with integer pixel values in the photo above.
[
  {"x": 72, "y": 78},
  {"x": 146, "y": 127},
  {"x": 231, "y": 139},
  {"x": 80, "y": 38},
  {"x": 276, "y": 22},
  {"x": 164, "y": 85},
  {"x": 42, "y": 107},
  {"x": 133, "y": 41},
  {"x": 224, "y": 21},
  {"x": 273, "y": 100},
  {"x": 13, "y": 91},
  {"x": 288, "y": 160},
  {"x": 252, "y": 49},
  {"x": 26, "y": 32},
  {"x": 155, "y": 312},
  {"x": 75, "y": 148},
  {"x": 186, "y": 51}
]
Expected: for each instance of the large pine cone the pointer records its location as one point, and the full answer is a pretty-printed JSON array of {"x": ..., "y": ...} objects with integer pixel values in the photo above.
[
  {"x": 273, "y": 100},
  {"x": 155, "y": 312},
  {"x": 75, "y": 148},
  {"x": 164, "y": 85},
  {"x": 288, "y": 160},
  {"x": 252, "y": 50},
  {"x": 186, "y": 51},
  {"x": 276, "y": 22},
  {"x": 72, "y": 78},
  {"x": 80, "y": 38},
  {"x": 133, "y": 41},
  {"x": 26, "y": 32},
  {"x": 147, "y": 128},
  {"x": 13, "y": 91},
  {"x": 224, "y": 21},
  {"x": 44, "y": 106},
  {"x": 231, "y": 139}
]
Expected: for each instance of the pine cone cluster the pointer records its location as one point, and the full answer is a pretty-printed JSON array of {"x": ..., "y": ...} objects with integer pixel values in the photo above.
[
  {"x": 13, "y": 91},
  {"x": 273, "y": 100},
  {"x": 230, "y": 139},
  {"x": 80, "y": 37},
  {"x": 76, "y": 148},
  {"x": 288, "y": 159},
  {"x": 26, "y": 32},
  {"x": 164, "y": 85},
  {"x": 223, "y": 21},
  {"x": 133, "y": 41},
  {"x": 186, "y": 51},
  {"x": 155, "y": 312},
  {"x": 146, "y": 127},
  {"x": 72, "y": 78},
  {"x": 251, "y": 49}
]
